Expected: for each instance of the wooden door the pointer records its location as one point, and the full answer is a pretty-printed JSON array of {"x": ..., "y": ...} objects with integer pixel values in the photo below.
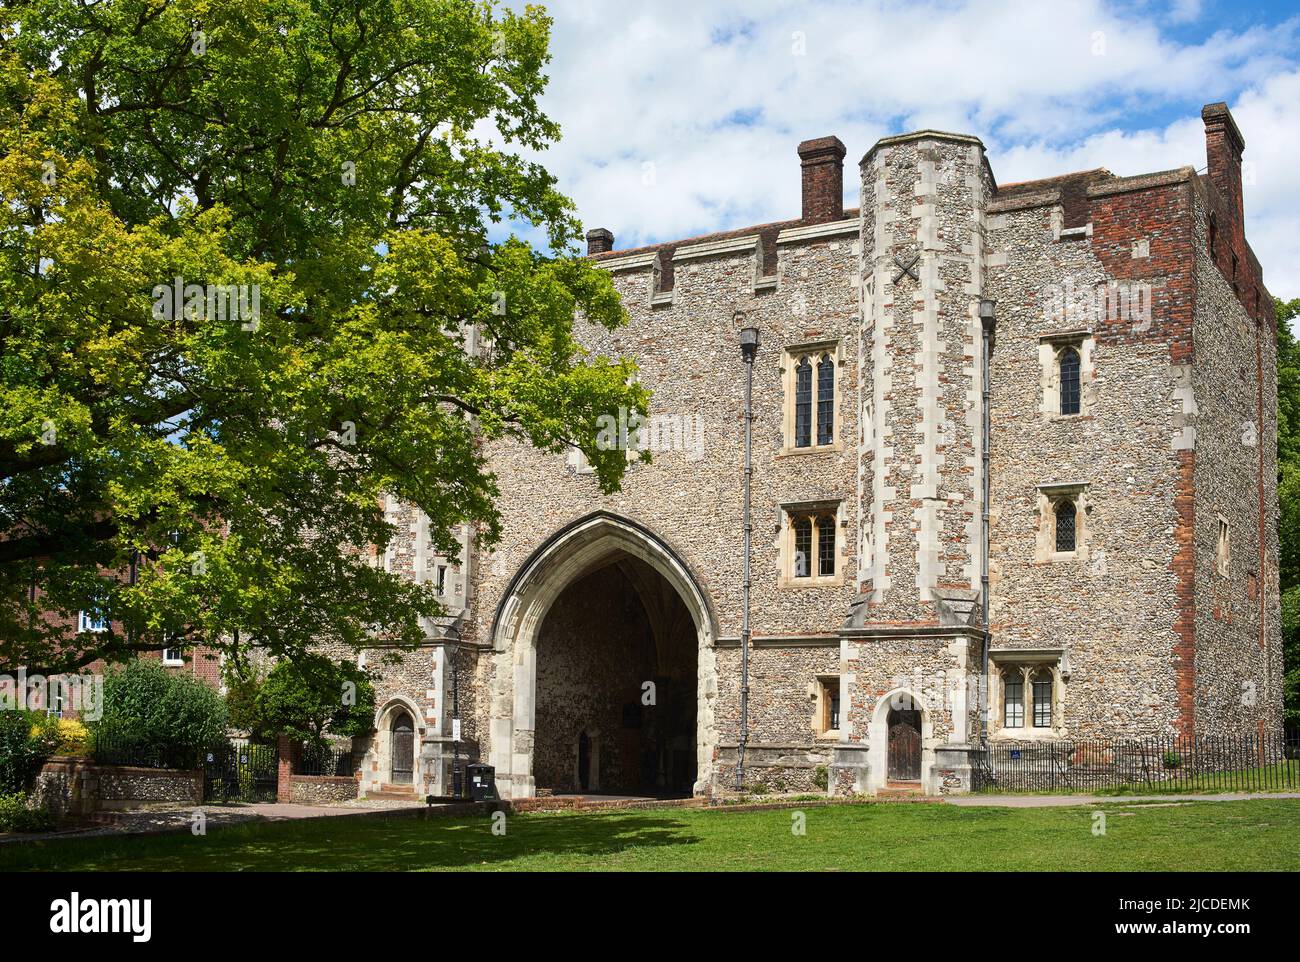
[
  {"x": 905, "y": 745},
  {"x": 403, "y": 749}
]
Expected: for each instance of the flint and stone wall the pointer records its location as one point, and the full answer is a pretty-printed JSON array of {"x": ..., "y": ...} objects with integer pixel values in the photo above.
[
  {"x": 1145, "y": 635},
  {"x": 78, "y": 786}
]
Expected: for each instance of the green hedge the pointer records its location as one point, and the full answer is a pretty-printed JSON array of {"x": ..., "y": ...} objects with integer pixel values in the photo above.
[
  {"x": 154, "y": 712},
  {"x": 26, "y": 740},
  {"x": 15, "y": 816}
]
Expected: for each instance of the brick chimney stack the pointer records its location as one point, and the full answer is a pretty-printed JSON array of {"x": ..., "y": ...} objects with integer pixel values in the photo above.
[
  {"x": 1223, "y": 147},
  {"x": 823, "y": 179},
  {"x": 599, "y": 241}
]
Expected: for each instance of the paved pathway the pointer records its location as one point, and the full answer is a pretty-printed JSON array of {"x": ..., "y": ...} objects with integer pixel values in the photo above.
[{"x": 1050, "y": 801}]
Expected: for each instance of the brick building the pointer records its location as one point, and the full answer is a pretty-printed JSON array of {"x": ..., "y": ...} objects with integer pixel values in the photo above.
[
  {"x": 1062, "y": 389},
  {"x": 200, "y": 661}
]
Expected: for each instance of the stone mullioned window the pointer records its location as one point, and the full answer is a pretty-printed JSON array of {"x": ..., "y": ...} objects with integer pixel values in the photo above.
[
  {"x": 810, "y": 375},
  {"x": 1028, "y": 694},
  {"x": 810, "y": 545}
]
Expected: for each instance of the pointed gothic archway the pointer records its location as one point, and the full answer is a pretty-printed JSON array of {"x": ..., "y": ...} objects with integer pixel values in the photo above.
[
  {"x": 392, "y": 755},
  {"x": 900, "y": 740},
  {"x": 601, "y": 552}
]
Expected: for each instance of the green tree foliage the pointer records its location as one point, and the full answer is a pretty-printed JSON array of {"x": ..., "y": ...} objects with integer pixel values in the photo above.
[
  {"x": 242, "y": 685},
  {"x": 312, "y": 695},
  {"x": 1288, "y": 386},
  {"x": 153, "y": 710},
  {"x": 191, "y": 475},
  {"x": 1288, "y": 495}
]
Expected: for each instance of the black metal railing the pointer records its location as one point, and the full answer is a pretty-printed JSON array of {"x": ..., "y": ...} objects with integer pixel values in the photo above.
[
  {"x": 323, "y": 760},
  {"x": 1246, "y": 762},
  {"x": 240, "y": 773},
  {"x": 110, "y": 746}
]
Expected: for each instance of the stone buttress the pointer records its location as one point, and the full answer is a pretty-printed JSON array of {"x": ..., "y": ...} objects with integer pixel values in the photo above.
[{"x": 913, "y": 636}]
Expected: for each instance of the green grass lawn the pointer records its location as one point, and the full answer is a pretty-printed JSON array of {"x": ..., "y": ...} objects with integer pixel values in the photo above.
[{"x": 1252, "y": 835}]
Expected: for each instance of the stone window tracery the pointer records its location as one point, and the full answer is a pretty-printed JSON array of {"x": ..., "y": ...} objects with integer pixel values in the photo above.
[
  {"x": 803, "y": 539},
  {"x": 811, "y": 377},
  {"x": 810, "y": 544},
  {"x": 1027, "y": 696},
  {"x": 825, "y": 400},
  {"x": 1067, "y": 373},
  {"x": 1064, "y": 524},
  {"x": 803, "y": 404},
  {"x": 1042, "y": 692},
  {"x": 1013, "y": 702}
]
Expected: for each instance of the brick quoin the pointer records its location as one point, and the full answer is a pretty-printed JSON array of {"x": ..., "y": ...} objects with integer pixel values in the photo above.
[{"x": 1162, "y": 215}]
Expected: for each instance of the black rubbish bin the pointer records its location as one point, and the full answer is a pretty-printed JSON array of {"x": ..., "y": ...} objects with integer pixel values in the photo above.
[{"x": 482, "y": 782}]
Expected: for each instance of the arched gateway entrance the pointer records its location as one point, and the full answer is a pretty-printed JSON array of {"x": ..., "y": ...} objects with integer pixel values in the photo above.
[{"x": 604, "y": 676}]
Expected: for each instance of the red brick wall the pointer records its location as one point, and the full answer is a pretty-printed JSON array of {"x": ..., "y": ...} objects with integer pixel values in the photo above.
[{"x": 1160, "y": 213}]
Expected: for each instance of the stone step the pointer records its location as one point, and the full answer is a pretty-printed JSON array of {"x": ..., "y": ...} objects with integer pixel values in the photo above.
[
  {"x": 900, "y": 790},
  {"x": 398, "y": 793}
]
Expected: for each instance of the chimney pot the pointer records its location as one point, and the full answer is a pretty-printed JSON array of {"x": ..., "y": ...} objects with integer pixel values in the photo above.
[
  {"x": 822, "y": 161},
  {"x": 599, "y": 241}
]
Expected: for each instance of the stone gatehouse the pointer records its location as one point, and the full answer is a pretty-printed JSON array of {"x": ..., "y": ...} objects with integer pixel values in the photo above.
[{"x": 1057, "y": 395}]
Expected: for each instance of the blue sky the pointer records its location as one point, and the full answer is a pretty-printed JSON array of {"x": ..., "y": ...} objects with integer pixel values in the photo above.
[{"x": 681, "y": 117}]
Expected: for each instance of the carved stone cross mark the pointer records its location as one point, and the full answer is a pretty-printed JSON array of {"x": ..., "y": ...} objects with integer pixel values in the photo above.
[{"x": 909, "y": 268}]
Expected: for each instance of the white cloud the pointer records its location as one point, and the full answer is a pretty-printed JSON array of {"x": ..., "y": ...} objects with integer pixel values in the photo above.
[{"x": 715, "y": 96}]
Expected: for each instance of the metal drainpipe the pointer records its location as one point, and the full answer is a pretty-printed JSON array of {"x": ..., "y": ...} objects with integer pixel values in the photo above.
[
  {"x": 748, "y": 348},
  {"x": 988, "y": 320}
]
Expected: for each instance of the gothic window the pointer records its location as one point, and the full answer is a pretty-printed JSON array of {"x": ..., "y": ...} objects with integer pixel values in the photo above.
[
  {"x": 1214, "y": 236},
  {"x": 810, "y": 386},
  {"x": 826, "y": 546},
  {"x": 1030, "y": 692},
  {"x": 803, "y": 404},
  {"x": 1066, "y": 540},
  {"x": 1013, "y": 700},
  {"x": 1070, "y": 387},
  {"x": 813, "y": 550},
  {"x": 825, "y": 400},
  {"x": 803, "y": 547},
  {"x": 1043, "y": 699},
  {"x": 1066, "y": 360},
  {"x": 1222, "y": 546}
]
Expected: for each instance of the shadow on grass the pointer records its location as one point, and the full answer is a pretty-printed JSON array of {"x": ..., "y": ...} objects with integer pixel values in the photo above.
[{"x": 360, "y": 844}]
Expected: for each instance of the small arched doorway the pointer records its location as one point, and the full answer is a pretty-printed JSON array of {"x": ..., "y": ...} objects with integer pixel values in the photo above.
[
  {"x": 904, "y": 733},
  {"x": 402, "y": 745}
]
